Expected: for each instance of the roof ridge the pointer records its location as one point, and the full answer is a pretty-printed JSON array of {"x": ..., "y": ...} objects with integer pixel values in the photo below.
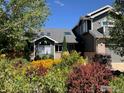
[{"x": 98, "y": 10}]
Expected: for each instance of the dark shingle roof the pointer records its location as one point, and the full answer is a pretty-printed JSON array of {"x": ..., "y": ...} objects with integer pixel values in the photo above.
[
  {"x": 96, "y": 34},
  {"x": 58, "y": 35}
]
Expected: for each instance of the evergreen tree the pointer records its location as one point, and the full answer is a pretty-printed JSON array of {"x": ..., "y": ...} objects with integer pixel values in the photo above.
[
  {"x": 116, "y": 40},
  {"x": 64, "y": 47}
]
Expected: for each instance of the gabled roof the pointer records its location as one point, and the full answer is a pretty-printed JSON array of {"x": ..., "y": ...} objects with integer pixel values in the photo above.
[
  {"x": 100, "y": 11},
  {"x": 44, "y": 37},
  {"x": 95, "y": 13},
  {"x": 57, "y": 35}
]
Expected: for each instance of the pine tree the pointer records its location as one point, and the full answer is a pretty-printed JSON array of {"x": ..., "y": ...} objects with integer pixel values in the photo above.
[{"x": 64, "y": 47}]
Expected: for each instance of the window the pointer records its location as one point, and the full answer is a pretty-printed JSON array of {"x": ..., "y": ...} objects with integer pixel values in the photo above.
[
  {"x": 108, "y": 23},
  {"x": 89, "y": 25},
  {"x": 58, "y": 48},
  {"x": 67, "y": 33},
  {"x": 42, "y": 33},
  {"x": 105, "y": 23},
  {"x": 48, "y": 34}
]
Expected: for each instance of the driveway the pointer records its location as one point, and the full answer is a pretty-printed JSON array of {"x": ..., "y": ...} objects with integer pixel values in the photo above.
[{"x": 118, "y": 66}]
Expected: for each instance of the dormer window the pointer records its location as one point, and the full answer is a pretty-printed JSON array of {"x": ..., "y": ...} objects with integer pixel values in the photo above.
[
  {"x": 67, "y": 33},
  {"x": 48, "y": 34}
]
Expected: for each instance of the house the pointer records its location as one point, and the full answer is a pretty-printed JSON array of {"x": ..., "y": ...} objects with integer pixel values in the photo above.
[
  {"x": 49, "y": 42},
  {"x": 92, "y": 31}
]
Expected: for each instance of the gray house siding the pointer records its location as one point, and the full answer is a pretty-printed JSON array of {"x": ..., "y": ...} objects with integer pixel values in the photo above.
[
  {"x": 97, "y": 22},
  {"x": 93, "y": 38}
]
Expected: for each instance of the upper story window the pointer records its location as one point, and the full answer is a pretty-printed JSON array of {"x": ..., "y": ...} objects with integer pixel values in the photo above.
[
  {"x": 89, "y": 24},
  {"x": 107, "y": 23},
  {"x": 67, "y": 33}
]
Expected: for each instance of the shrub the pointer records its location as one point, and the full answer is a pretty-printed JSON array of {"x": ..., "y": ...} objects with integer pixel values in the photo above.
[
  {"x": 117, "y": 84},
  {"x": 55, "y": 81},
  {"x": 2, "y": 56},
  {"x": 88, "y": 78},
  {"x": 103, "y": 59},
  {"x": 14, "y": 81},
  {"x": 40, "y": 71},
  {"x": 47, "y": 63},
  {"x": 71, "y": 59}
]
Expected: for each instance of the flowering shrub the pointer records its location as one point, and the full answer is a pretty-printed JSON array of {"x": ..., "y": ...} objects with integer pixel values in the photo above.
[
  {"x": 88, "y": 78},
  {"x": 48, "y": 63}
]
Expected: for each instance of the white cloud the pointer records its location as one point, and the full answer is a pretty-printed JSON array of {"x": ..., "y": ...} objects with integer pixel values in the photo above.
[{"x": 59, "y": 3}]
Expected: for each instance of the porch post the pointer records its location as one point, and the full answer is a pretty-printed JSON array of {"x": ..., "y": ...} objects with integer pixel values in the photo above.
[
  {"x": 54, "y": 51},
  {"x": 34, "y": 50}
]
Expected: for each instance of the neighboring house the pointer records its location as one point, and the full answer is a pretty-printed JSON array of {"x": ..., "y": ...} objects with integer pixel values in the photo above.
[
  {"x": 49, "y": 42},
  {"x": 92, "y": 31}
]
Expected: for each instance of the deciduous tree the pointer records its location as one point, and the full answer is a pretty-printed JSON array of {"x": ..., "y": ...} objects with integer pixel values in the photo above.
[
  {"x": 18, "y": 17},
  {"x": 117, "y": 32}
]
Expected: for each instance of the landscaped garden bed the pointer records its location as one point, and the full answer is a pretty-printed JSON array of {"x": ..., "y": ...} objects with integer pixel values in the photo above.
[{"x": 70, "y": 74}]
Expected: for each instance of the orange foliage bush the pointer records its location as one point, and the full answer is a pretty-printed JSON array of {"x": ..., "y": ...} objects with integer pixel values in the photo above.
[{"x": 48, "y": 63}]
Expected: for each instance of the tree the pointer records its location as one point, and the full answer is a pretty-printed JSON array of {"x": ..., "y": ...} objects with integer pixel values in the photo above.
[
  {"x": 117, "y": 32},
  {"x": 17, "y": 18},
  {"x": 64, "y": 45}
]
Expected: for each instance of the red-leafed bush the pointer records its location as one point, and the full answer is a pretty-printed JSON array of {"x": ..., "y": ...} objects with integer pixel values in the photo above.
[{"x": 88, "y": 78}]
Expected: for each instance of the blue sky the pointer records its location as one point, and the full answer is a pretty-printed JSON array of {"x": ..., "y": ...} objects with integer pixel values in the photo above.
[{"x": 66, "y": 13}]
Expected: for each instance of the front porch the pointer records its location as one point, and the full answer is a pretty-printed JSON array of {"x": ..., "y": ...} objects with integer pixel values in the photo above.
[{"x": 44, "y": 46}]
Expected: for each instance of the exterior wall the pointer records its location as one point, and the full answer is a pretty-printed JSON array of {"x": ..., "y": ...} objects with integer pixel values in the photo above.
[
  {"x": 98, "y": 20},
  {"x": 89, "y": 43},
  {"x": 100, "y": 46},
  {"x": 71, "y": 46},
  {"x": 57, "y": 55},
  {"x": 89, "y": 55}
]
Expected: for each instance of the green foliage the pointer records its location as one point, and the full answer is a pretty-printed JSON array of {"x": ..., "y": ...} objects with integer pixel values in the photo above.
[
  {"x": 117, "y": 32},
  {"x": 117, "y": 84},
  {"x": 72, "y": 59},
  {"x": 17, "y": 75},
  {"x": 17, "y": 18},
  {"x": 13, "y": 80},
  {"x": 55, "y": 81},
  {"x": 64, "y": 47}
]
